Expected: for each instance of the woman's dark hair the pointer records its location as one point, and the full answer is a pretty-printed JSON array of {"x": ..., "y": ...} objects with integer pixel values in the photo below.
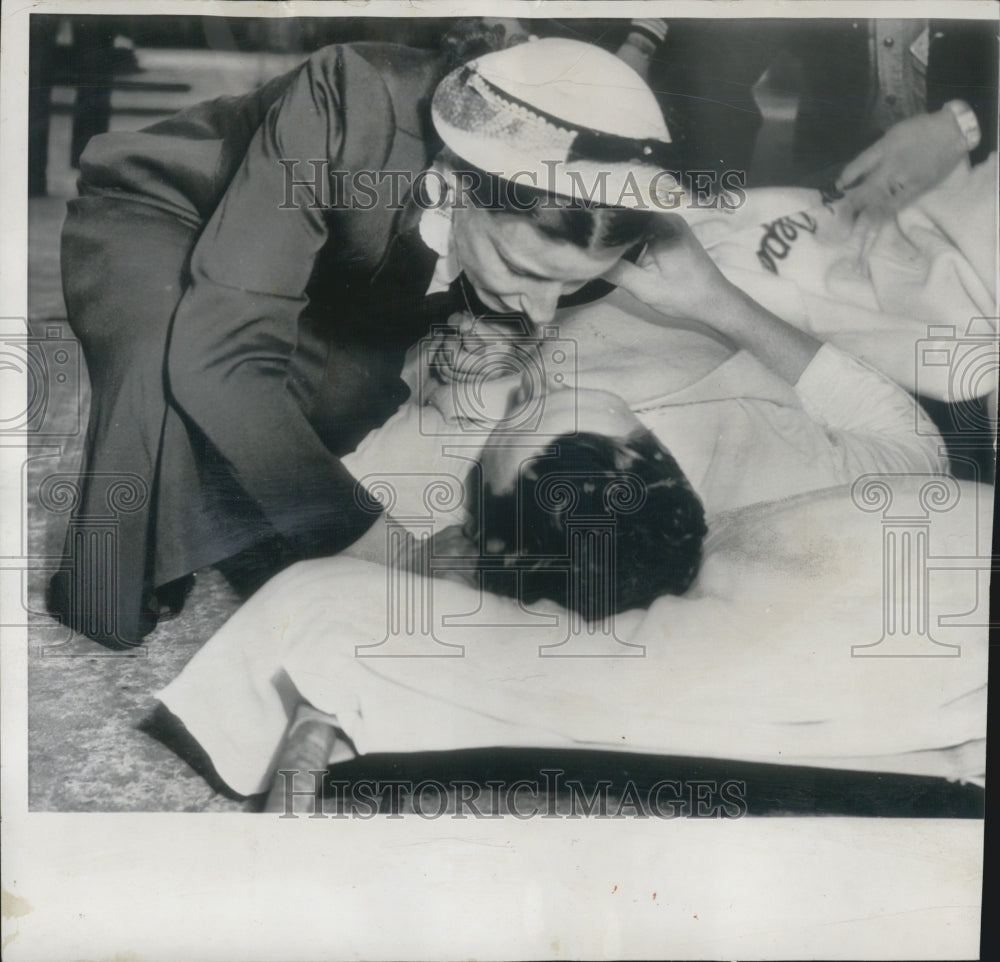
[
  {"x": 602, "y": 526},
  {"x": 472, "y": 37},
  {"x": 576, "y": 220}
]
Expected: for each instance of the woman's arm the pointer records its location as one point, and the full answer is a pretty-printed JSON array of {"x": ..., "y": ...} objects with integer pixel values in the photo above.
[{"x": 237, "y": 326}]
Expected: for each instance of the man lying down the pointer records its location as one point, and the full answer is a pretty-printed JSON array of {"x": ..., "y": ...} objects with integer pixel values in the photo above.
[
  {"x": 622, "y": 417},
  {"x": 589, "y": 482}
]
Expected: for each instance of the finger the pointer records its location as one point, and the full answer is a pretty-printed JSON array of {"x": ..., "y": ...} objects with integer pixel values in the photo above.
[
  {"x": 623, "y": 274},
  {"x": 844, "y": 212},
  {"x": 669, "y": 227},
  {"x": 875, "y": 201},
  {"x": 868, "y": 196},
  {"x": 860, "y": 167}
]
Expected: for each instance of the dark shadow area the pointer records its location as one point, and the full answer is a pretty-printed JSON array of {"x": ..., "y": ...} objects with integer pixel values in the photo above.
[{"x": 968, "y": 436}]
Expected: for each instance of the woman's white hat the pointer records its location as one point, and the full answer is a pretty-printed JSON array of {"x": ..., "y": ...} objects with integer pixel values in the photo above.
[{"x": 563, "y": 116}]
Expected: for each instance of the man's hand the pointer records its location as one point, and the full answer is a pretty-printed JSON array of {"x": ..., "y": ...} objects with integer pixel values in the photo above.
[
  {"x": 675, "y": 274},
  {"x": 914, "y": 156},
  {"x": 677, "y": 278}
]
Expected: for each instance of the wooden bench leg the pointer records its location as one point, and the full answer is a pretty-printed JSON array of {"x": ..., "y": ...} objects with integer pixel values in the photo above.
[{"x": 302, "y": 764}]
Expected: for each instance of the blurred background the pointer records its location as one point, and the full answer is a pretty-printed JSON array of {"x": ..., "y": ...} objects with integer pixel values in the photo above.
[{"x": 722, "y": 84}]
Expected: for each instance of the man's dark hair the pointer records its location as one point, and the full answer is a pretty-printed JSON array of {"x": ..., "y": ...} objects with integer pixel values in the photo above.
[
  {"x": 601, "y": 526},
  {"x": 583, "y": 223}
]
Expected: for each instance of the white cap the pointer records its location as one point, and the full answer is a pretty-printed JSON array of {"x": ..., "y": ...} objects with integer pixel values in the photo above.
[{"x": 563, "y": 116}]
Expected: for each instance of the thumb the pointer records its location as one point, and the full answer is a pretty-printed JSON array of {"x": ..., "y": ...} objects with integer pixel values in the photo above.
[
  {"x": 618, "y": 272},
  {"x": 860, "y": 167},
  {"x": 626, "y": 276}
]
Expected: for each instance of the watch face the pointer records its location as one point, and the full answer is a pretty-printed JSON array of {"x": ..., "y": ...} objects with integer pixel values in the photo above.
[{"x": 967, "y": 122}]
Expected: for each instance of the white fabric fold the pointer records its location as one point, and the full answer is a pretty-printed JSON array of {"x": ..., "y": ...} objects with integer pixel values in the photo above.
[{"x": 874, "y": 289}]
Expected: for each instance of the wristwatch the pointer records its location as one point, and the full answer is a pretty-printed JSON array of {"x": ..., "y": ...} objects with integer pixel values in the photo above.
[
  {"x": 967, "y": 122},
  {"x": 647, "y": 34}
]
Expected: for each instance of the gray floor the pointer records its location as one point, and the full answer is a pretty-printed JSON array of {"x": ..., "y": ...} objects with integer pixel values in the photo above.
[
  {"x": 93, "y": 743},
  {"x": 93, "y": 726}
]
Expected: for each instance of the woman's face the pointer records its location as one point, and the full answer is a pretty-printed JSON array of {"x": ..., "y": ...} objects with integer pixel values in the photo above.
[
  {"x": 564, "y": 411},
  {"x": 516, "y": 269}
]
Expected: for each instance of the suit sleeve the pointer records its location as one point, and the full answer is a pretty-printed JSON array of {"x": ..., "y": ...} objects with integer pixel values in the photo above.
[
  {"x": 962, "y": 65},
  {"x": 236, "y": 327}
]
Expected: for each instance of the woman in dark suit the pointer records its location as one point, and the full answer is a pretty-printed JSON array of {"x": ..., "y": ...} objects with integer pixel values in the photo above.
[{"x": 244, "y": 295}]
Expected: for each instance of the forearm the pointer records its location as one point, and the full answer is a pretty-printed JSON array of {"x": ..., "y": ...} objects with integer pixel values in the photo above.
[
  {"x": 239, "y": 325},
  {"x": 231, "y": 381},
  {"x": 275, "y": 456},
  {"x": 784, "y": 349}
]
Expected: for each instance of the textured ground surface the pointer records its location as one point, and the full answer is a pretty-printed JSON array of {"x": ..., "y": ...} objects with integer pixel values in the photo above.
[
  {"x": 96, "y": 741},
  {"x": 91, "y": 710}
]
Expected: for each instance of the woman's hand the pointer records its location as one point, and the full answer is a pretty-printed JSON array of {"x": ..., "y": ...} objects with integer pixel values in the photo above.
[
  {"x": 452, "y": 542},
  {"x": 417, "y": 555},
  {"x": 675, "y": 274}
]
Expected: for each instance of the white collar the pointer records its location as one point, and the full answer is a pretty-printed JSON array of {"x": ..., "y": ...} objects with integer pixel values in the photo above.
[{"x": 436, "y": 232}]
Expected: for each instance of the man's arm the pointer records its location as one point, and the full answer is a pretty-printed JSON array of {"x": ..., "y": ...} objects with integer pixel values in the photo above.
[
  {"x": 870, "y": 422},
  {"x": 677, "y": 278},
  {"x": 962, "y": 65}
]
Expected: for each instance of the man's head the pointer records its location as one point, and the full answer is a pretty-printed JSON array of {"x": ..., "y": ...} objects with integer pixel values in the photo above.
[
  {"x": 600, "y": 521},
  {"x": 556, "y": 149}
]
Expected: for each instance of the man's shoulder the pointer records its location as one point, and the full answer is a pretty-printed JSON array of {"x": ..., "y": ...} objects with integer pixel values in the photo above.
[{"x": 409, "y": 74}]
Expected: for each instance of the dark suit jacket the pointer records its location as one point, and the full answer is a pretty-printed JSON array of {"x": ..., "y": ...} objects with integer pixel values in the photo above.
[
  {"x": 264, "y": 335},
  {"x": 962, "y": 65}
]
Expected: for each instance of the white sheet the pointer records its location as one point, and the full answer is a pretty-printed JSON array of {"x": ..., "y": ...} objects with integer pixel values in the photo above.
[
  {"x": 875, "y": 290},
  {"x": 756, "y": 663}
]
